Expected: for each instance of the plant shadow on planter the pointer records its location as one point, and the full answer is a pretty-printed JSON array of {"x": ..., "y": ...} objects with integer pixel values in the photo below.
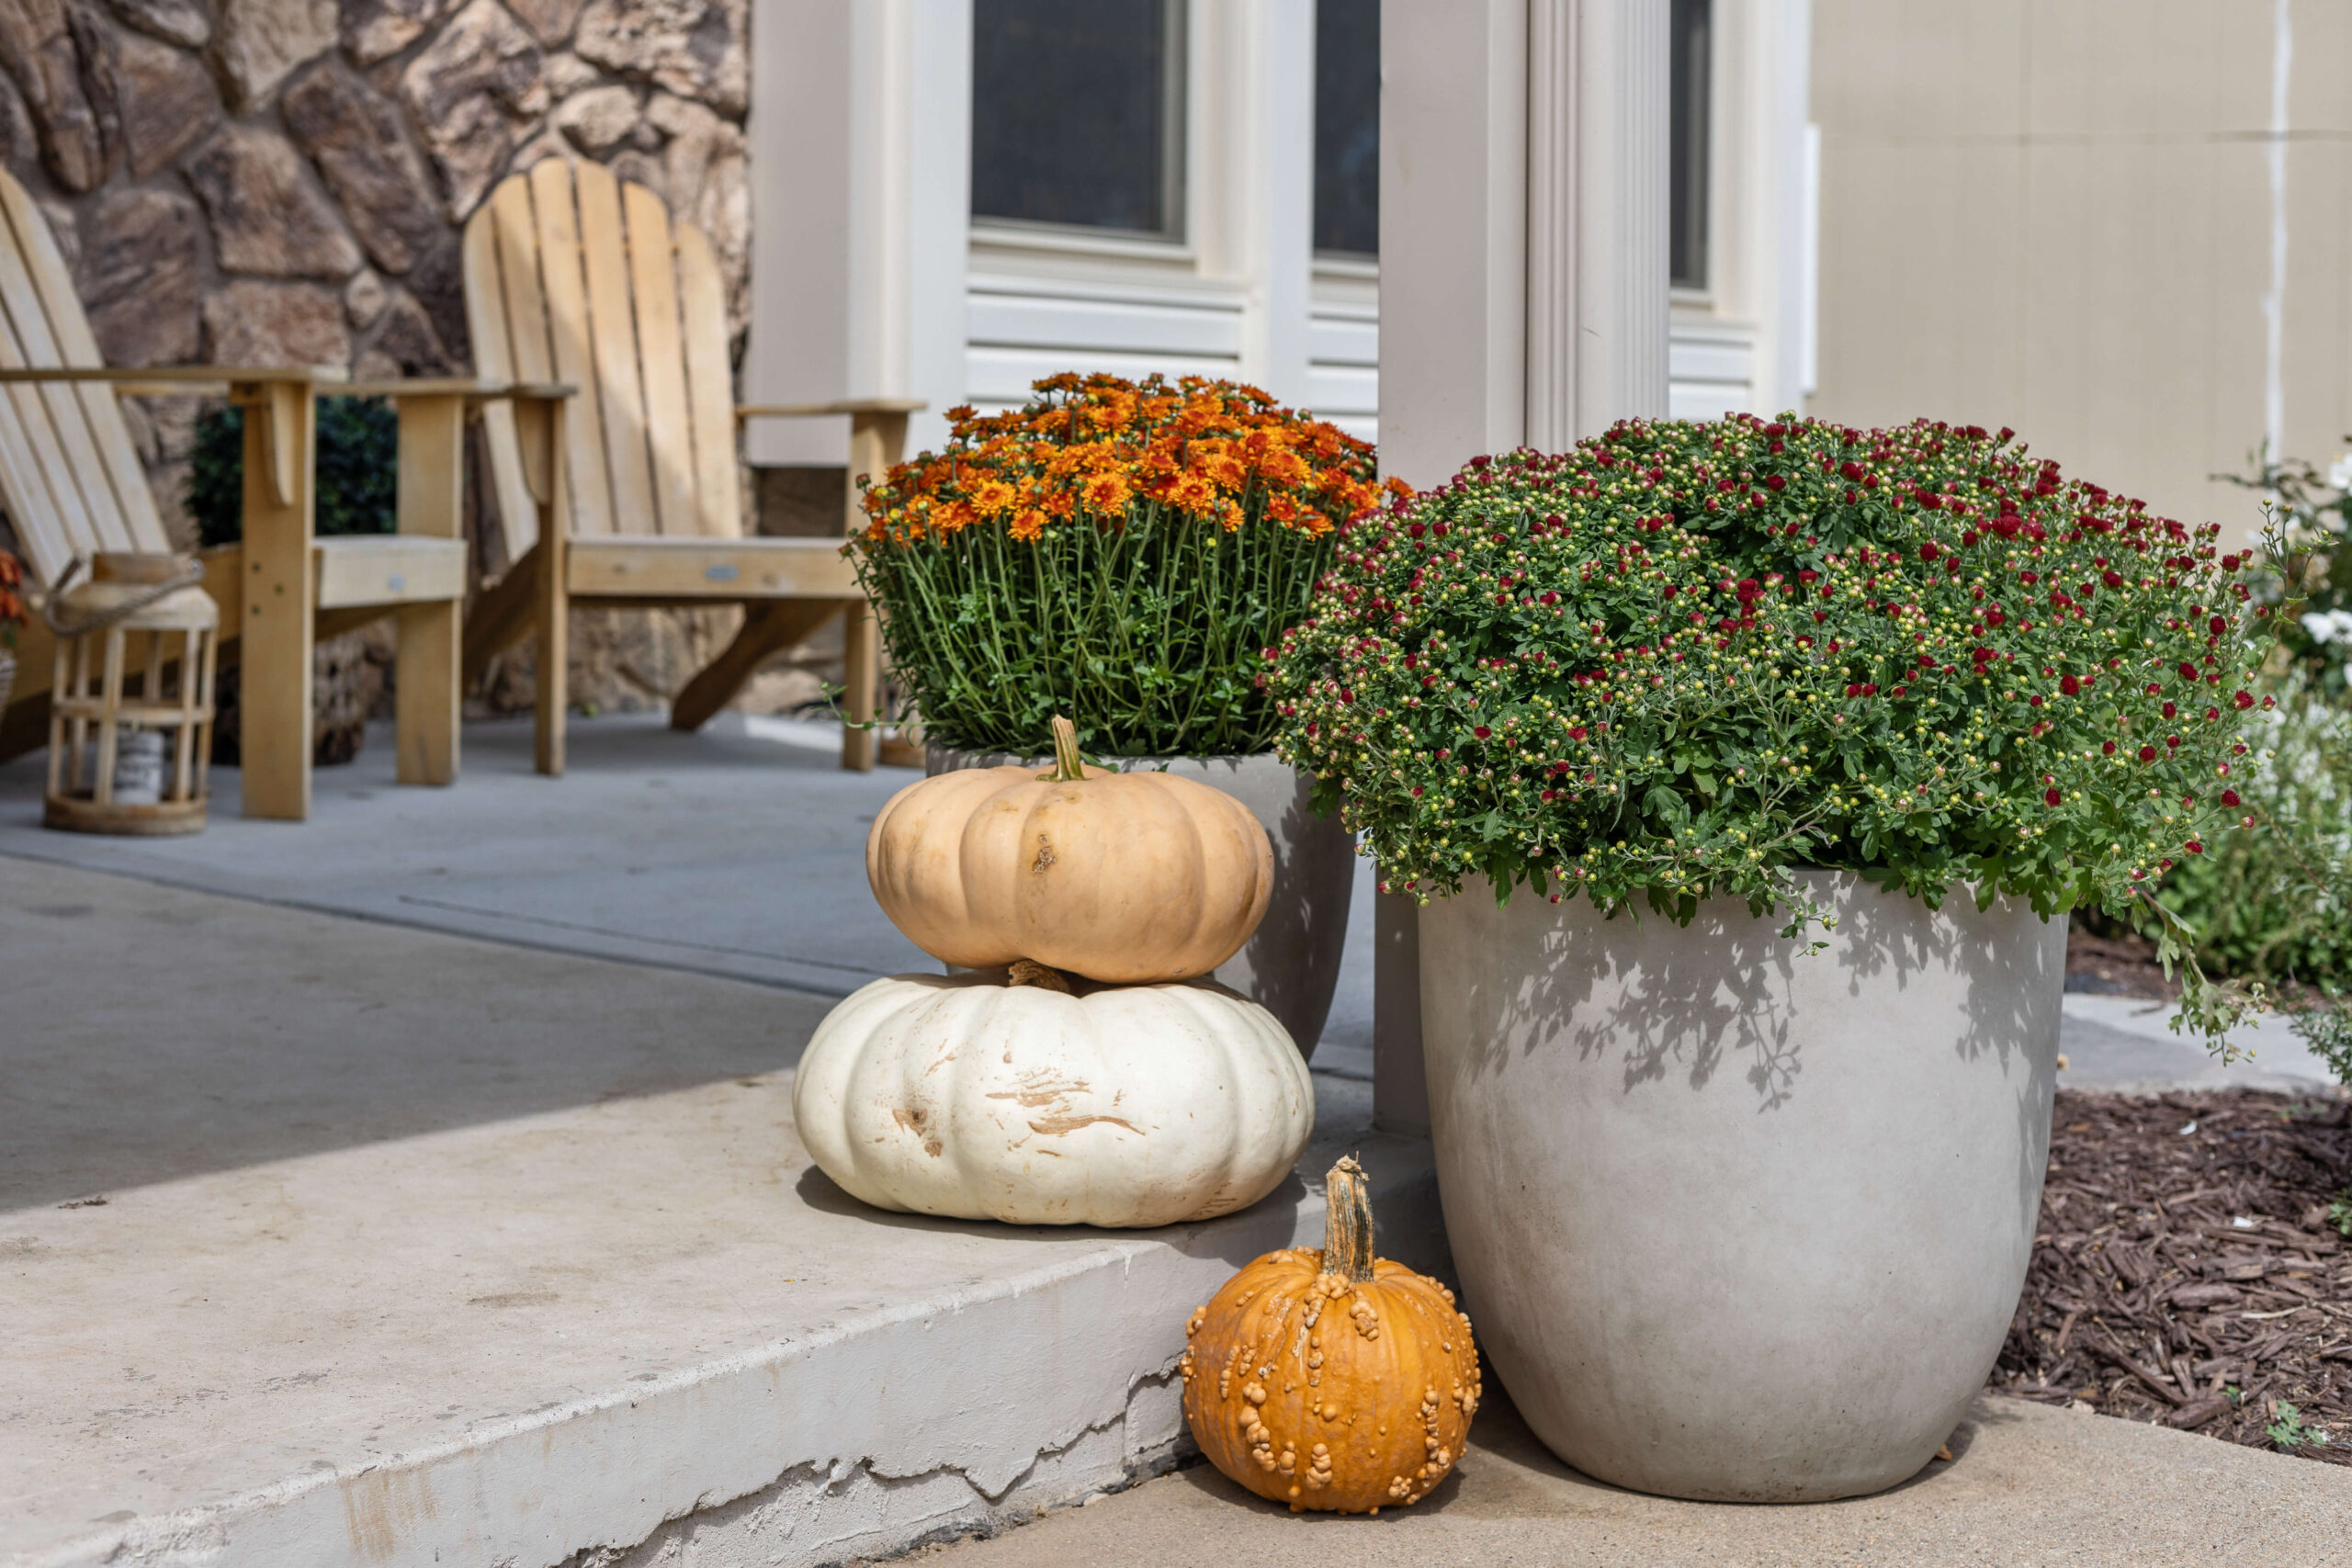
[
  {"x": 1291, "y": 962},
  {"x": 1855, "y": 1137},
  {"x": 821, "y": 1192},
  {"x": 1724, "y": 990}
]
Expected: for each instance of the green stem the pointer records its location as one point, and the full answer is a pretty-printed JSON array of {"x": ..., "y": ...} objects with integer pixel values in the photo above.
[{"x": 1069, "y": 766}]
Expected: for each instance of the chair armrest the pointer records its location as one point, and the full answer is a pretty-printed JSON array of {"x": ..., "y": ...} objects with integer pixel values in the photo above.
[
  {"x": 478, "y": 388},
  {"x": 838, "y": 406},
  {"x": 180, "y": 381}
]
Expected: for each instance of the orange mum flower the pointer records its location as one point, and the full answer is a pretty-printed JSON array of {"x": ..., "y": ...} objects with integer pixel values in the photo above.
[
  {"x": 1100, "y": 446},
  {"x": 1108, "y": 492},
  {"x": 990, "y": 497},
  {"x": 1191, "y": 492}
]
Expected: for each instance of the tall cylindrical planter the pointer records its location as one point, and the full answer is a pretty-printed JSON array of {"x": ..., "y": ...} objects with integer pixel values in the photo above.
[
  {"x": 1736, "y": 1222},
  {"x": 1291, "y": 965}
]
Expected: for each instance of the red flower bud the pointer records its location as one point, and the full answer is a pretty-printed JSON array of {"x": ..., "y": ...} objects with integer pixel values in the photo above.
[
  {"x": 2108, "y": 748},
  {"x": 2193, "y": 847},
  {"x": 2169, "y": 710},
  {"x": 1482, "y": 732},
  {"x": 2229, "y": 797},
  {"x": 2147, "y": 753},
  {"x": 2244, "y": 700}
]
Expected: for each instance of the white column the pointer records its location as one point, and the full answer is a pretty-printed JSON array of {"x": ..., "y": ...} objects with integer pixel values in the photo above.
[
  {"x": 1523, "y": 184},
  {"x": 1453, "y": 232},
  {"x": 1250, "y": 155},
  {"x": 1597, "y": 230},
  {"x": 861, "y": 201}
]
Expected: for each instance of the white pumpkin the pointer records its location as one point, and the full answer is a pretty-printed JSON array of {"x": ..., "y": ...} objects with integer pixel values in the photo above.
[{"x": 969, "y": 1096}]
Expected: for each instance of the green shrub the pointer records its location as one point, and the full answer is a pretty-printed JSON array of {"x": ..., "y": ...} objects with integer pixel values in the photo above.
[
  {"x": 358, "y": 469},
  {"x": 2268, "y": 901},
  {"x": 1683, "y": 658}
]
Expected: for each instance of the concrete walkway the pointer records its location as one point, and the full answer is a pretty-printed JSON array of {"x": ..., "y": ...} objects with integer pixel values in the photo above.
[{"x": 2027, "y": 1486}]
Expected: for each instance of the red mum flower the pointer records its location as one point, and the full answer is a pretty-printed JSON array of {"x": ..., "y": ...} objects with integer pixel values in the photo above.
[
  {"x": 2108, "y": 747},
  {"x": 2229, "y": 797},
  {"x": 2053, "y": 796},
  {"x": 2244, "y": 700},
  {"x": 2069, "y": 685},
  {"x": 2147, "y": 753},
  {"x": 1482, "y": 732}
]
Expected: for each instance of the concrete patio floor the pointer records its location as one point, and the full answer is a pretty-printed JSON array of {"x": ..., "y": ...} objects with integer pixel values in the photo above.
[
  {"x": 2027, "y": 1486},
  {"x": 452, "y": 1211}
]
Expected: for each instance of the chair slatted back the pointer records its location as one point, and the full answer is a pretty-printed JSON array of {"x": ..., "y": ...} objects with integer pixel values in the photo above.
[
  {"x": 70, "y": 478},
  {"x": 573, "y": 275}
]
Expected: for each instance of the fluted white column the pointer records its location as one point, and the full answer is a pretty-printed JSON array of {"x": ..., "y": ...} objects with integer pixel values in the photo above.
[
  {"x": 1598, "y": 137},
  {"x": 1523, "y": 233}
]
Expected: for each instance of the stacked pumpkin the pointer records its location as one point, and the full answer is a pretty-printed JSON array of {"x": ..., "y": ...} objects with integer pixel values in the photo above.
[{"x": 1082, "y": 1071}]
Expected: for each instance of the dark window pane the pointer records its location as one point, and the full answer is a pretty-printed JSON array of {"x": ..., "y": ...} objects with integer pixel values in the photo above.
[
  {"x": 1076, "y": 112},
  {"x": 1347, "y": 126},
  {"x": 1689, "y": 150}
]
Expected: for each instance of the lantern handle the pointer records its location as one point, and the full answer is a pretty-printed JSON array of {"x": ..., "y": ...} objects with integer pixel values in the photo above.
[{"x": 63, "y": 627}]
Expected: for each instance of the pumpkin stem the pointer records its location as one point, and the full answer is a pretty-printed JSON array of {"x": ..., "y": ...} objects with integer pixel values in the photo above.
[
  {"x": 1346, "y": 1222},
  {"x": 1029, "y": 972},
  {"x": 1069, "y": 766}
]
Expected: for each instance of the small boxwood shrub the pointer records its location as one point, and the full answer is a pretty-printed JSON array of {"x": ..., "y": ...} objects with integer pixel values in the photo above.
[{"x": 358, "y": 471}]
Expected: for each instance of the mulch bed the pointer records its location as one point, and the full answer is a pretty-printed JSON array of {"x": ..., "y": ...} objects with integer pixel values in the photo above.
[{"x": 2186, "y": 1270}]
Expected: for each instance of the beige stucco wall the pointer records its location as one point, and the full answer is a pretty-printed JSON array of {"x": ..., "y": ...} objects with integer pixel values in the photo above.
[{"x": 2056, "y": 215}]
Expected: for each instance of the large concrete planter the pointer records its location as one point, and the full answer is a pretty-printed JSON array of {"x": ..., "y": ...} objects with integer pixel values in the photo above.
[
  {"x": 1292, "y": 964},
  {"x": 1735, "y": 1223}
]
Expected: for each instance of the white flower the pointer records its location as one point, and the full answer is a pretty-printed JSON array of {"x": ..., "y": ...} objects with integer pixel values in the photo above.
[
  {"x": 2329, "y": 626},
  {"x": 2339, "y": 473}
]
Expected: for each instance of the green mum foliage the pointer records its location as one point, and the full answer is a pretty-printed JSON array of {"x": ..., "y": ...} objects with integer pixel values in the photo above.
[
  {"x": 1685, "y": 657},
  {"x": 358, "y": 469}
]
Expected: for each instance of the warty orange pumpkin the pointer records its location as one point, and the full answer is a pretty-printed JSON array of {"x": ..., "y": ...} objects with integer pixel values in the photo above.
[
  {"x": 1125, "y": 878},
  {"x": 1333, "y": 1379}
]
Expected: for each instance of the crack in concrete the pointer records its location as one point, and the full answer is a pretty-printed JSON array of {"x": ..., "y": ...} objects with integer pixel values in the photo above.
[{"x": 985, "y": 1515}]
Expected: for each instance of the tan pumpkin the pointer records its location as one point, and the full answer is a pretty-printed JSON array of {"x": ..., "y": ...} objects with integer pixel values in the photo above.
[
  {"x": 1125, "y": 879},
  {"x": 1333, "y": 1379}
]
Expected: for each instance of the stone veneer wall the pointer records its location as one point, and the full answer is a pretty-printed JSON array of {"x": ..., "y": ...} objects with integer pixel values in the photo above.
[{"x": 284, "y": 181}]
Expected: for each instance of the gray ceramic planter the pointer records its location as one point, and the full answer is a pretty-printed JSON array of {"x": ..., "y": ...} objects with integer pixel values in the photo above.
[
  {"x": 1292, "y": 964},
  {"x": 1735, "y": 1223}
]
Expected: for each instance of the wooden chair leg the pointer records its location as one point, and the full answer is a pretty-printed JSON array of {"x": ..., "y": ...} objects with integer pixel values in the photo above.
[
  {"x": 768, "y": 630},
  {"x": 862, "y": 675},
  {"x": 541, "y": 428},
  {"x": 279, "y": 589},
  {"x": 426, "y": 703},
  {"x": 876, "y": 440}
]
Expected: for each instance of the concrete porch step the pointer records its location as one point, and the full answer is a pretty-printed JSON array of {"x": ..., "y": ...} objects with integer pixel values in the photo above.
[{"x": 419, "y": 1250}]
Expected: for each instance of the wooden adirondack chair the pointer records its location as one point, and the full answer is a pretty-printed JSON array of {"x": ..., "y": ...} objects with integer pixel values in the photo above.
[
  {"x": 72, "y": 485},
  {"x": 573, "y": 275}
]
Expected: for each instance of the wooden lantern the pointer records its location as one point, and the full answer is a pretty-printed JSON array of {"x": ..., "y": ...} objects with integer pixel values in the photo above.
[{"x": 130, "y": 709}]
